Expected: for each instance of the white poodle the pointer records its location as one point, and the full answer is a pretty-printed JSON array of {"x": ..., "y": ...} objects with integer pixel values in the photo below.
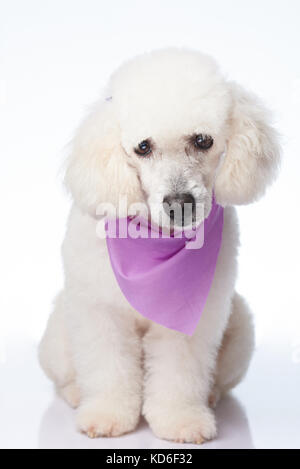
[{"x": 168, "y": 123}]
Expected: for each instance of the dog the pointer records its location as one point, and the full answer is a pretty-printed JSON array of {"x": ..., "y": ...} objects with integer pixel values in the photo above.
[{"x": 168, "y": 124}]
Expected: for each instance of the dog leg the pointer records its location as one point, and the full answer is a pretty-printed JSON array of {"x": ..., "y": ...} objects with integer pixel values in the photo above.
[
  {"x": 236, "y": 350},
  {"x": 178, "y": 378},
  {"x": 107, "y": 357},
  {"x": 54, "y": 354}
]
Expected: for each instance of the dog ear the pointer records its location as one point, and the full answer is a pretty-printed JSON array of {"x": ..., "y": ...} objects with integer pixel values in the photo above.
[
  {"x": 253, "y": 152},
  {"x": 97, "y": 170}
]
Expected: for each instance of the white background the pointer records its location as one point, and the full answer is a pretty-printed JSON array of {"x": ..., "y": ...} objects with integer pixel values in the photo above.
[{"x": 54, "y": 58}]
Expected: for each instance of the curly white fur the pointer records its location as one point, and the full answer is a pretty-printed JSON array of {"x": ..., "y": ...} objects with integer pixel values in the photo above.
[{"x": 101, "y": 354}]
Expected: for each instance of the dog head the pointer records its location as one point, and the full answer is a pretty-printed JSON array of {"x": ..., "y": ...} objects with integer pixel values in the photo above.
[{"x": 171, "y": 129}]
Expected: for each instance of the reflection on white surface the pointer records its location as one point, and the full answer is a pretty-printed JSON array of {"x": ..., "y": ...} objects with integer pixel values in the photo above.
[{"x": 264, "y": 411}]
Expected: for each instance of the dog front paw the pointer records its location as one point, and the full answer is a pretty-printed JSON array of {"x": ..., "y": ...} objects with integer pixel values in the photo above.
[
  {"x": 99, "y": 418},
  {"x": 183, "y": 425}
]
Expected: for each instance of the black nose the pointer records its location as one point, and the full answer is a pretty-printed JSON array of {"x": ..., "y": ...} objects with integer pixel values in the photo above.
[{"x": 185, "y": 201}]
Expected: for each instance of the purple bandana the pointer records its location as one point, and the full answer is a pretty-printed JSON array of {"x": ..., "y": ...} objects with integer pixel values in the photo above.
[{"x": 167, "y": 280}]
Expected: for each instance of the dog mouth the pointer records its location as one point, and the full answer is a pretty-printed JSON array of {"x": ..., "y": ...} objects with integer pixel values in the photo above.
[
  {"x": 180, "y": 208},
  {"x": 174, "y": 210},
  {"x": 177, "y": 217}
]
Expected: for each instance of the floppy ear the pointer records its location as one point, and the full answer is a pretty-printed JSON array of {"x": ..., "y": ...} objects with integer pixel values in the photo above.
[
  {"x": 253, "y": 152},
  {"x": 97, "y": 170}
]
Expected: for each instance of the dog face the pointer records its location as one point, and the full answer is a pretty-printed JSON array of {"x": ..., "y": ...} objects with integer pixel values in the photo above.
[
  {"x": 176, "y": 178},
  {"x": 171, "y": 131}
]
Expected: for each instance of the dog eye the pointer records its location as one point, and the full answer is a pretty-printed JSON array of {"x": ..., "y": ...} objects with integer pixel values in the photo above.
[
  {"x": 144, "y": 148},
  {"x": 203, "y": 142}
]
